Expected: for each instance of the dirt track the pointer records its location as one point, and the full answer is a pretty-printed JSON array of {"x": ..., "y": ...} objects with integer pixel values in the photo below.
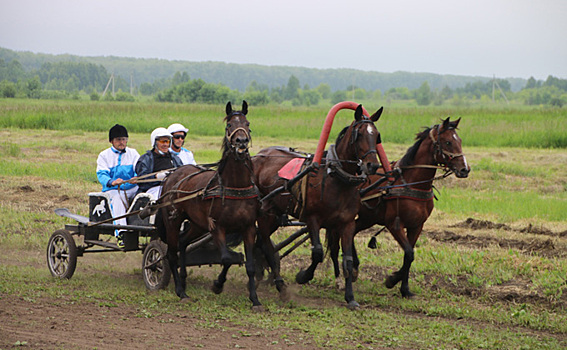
[{"x": 57, "y": 324}]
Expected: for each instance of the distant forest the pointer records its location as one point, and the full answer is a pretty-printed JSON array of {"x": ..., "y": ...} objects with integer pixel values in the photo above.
[{"x": 36, "y": 75}]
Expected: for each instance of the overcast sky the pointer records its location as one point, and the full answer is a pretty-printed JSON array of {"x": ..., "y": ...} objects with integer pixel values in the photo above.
[{"x": 506, "y": 38}]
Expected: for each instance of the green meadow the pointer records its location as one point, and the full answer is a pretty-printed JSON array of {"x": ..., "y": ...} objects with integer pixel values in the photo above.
[{"x": 481, "y": 126}]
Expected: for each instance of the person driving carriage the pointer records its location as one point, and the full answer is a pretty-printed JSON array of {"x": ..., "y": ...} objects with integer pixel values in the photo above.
[
  {"x": 179, "y": 133},
  {"x": 156, "y": 160},
  {"x": 115, "y": 172}
]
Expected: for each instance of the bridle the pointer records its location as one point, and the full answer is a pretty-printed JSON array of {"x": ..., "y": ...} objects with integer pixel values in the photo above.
[
  {"x": 445, "y": 155},
  {"x": 230, "y": 134},
  {"x": 363, "y": 167}
]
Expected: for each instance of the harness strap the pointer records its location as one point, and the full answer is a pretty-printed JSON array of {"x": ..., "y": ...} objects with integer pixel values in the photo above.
[
  {"x": 334, "y": 168},
  {"x": 409, "y": 193},
  {"x": 231, "y": 193}
]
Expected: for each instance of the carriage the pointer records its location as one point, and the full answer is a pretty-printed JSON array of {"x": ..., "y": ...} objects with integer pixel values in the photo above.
[
  {"x": 93, "y": 235},
  {"x": 361, "y": 143}
]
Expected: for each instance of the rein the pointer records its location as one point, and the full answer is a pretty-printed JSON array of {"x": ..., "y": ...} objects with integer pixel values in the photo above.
[
  {"x": 151, "y": 208},
  {"x": 386, "y": 188}
]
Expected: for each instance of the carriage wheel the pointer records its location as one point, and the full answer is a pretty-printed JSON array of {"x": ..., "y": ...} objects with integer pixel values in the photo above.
[
  {"x": 155, "y": 267},
  {"x": 61, "y": 254}
]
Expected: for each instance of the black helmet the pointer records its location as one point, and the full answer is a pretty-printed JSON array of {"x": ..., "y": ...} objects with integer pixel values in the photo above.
[{"x": 117, "y": 131}]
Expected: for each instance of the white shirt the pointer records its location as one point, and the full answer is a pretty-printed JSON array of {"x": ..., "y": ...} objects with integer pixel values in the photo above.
[{"x": 185, "y": 155}]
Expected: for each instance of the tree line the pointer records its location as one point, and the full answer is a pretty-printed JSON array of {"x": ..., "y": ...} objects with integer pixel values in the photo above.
[{"x": 75, "y": 79}]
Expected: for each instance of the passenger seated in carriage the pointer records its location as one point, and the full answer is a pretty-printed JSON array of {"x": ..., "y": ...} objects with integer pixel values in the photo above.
[
  {"x": 114, "y": 167},
  {"x": 179, "y": 133},
  {"x": 156, "y": 160}
]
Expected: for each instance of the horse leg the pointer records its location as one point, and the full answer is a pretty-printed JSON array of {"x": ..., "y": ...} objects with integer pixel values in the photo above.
[
  {"x": 317, "y": 253},
  {"x": 220, "y": 239},
  {"x": 183, "y": 243},
  {"x": 413, "y": 235},
  {"x": 355, "y": 262},
  {"x": 265, "y": 229},
  {"x": 218, "y": 284},
  {"x": 166, "y": 228},
  {"x": 403, "y": 273},
  {"x": 347, "y": 238},
  {"x": 249, "y": 237},
  {"x": 333, "y": 246}
]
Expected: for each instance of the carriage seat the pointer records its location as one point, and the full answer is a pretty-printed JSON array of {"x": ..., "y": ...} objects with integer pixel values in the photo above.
[
  {"x": 99, "y": 206},
  {"x": 139, "y": 202}
]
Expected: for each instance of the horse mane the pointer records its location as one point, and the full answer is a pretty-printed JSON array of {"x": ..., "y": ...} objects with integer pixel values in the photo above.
[
  {"x": 341, "y": 135},
  {"x": 409, "y": 157}
]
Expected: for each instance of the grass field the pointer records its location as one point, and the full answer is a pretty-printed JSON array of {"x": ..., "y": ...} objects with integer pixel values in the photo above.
[{"x": 489, "y": 271}]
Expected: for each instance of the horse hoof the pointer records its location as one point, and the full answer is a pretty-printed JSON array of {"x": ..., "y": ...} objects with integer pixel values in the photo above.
[
  {"x": 407, "y": 294},
  {"x": 182, "y": 295},
  {"x": 302, "y": 277},
  {"x": 216, "y": 288},
  {"x": 353, "y": 305},
  {"x": 390, "y": 282},
  {"x": 185, "y": 300},
  {"x": 258, "y": 308},
  {"x": 354, "y": 275}
]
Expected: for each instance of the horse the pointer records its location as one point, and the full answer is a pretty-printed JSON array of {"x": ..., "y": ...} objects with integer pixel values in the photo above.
[
  {"x": 405, "y": 204},
  {"x": 220, "y": 202},
  {"x": 325, "y": 198}
]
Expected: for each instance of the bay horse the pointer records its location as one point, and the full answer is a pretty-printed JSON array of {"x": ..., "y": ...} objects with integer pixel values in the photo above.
[
  {"x": 327, "y": 198},
  {"x": 408, "y": 201},
  {"x": 220, "y": 202}
]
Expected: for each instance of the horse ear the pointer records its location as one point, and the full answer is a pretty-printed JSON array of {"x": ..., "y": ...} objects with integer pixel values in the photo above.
[
  {"x": 377, "y": 115},
  {"x": 455, "y": 123},
  {"x": 446, "y": 123},
  {"x": 244, "y": 107},
  {"x": 358, "y": 113},
  {"x": 228, "y": 108}
]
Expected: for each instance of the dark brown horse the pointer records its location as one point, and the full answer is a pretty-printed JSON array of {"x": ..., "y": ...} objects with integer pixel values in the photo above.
[
  {"x": 408, "y": 201},
  {"x": 328, "y": 198},
  {"x": 222, "y": 201}
]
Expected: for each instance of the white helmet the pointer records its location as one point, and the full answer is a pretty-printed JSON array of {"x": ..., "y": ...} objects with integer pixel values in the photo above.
[
  {"x": 159, "y": 132},
  {"x": 177, "y": 128}
]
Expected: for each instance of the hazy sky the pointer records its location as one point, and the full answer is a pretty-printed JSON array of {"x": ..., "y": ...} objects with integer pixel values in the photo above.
[{"x": 506, "y": 38}]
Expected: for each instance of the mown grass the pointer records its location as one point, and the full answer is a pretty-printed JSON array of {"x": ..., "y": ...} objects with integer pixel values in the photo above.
[{"x": 458, "y": 303}]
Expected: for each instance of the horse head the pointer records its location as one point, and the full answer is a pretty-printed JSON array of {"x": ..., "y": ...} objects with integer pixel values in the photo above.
[
  {"x": 447, "y": 147},
  {"x": 237, "y": 131},
  {"x": 359, "y": 141}
]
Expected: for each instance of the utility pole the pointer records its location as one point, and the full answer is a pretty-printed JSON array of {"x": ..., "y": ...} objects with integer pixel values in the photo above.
[
  {"x": 495, "y": 83},
  {"x": 108, "y": 84}
]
